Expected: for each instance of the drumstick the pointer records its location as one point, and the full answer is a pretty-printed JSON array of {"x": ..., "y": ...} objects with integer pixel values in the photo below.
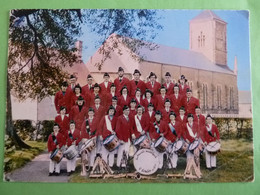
[{"x": 213, "y": 145}]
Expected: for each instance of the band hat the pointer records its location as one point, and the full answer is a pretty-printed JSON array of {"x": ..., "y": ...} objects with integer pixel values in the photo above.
[
  {"x": 77, "y": 86},
  {"x": 112, "y": 85},
  {"x": 80, "y": 98},
  {"x": 96, "y": 85},
  {"x": 120, "y": 69},
  {"x": 72, "y": 76},
  {"x": 190, "y": 115},
  {"x": 188, "y": 90},
  {"x": 111, "y": 108},
  {"x": 162, "y": 87},
  {"x": 137, "y": 71},
  {"x": 139, "y": 106},
  {"x": 89, "y": 76},
  {"x": 183, "y": 77},
  {"x": 62, "y": 108},
  {"x": 56, "y": 124},
  {"x": 125, "y": 107},
  {"x": 182, "y": 108},
  {"x": 148, "y": 91},
  {"x": 114, "y": 98},
  {"x": 209, "y": 116},
  {"x": 150, "y": 105},
  {"x": 168, "y": 74},
  {"x": 172, "y": 113},
  {"x": 91, "y": 109},
  {"x": 97, "y": 97},
  {"x": 132, "y": 101},
  {"x": 176, "y": 85},
  {"x": 72, "y": 122},
  {"x": 124, "y": 87},
  {"x": 152, "y": 74},
  {"x": 197, "y": 107},
  {"x": 167, "y": 100},
  {"x": 158, "y": 112},
  {"x": 64, "y": 84},
  {"x": 106, "y": 74},
  {"x": 137, "y": 89}
]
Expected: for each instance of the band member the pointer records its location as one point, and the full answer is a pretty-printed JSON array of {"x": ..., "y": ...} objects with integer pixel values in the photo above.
[
  {"x": 121, "y": 81},
  {"x": 160, "y": 98},
  {"x": 63, "y": 121},
  {"x": 157, "y": 130},
  {"x": 105, "y": 86},
  {"x": 132, "y": 112},
  {"x": 141, "y": 123},
  {"x": 124, "y": 127},
  {"x": 211, "y": 135},
  {"x": 190, "y": 102},
  {"x": 138, "y": 97},
  {"x": 150, "y": 113},
  {"x": 124, "y": 99},
  {"x": 73, "y": 83},
  {"x": 176, "y": 99},
  {"x": 55, "y": 141},
  {"x": 119, "y": 110},
  {"x": 166, "y": 111},
  {"x": 88, "y": 131},
  {"x": 62, "y": 97},
  {"x": 148, "y": 98},
  {"x": 95, "y": 93},
  {"x": 88, "y": 88},
  {"x": 182, "y": 119},
  {"x": 107, "y": 127},
  {"x": 190, "y": 132},
  {"x": 183, "y": 86},
  {"x": 200, "y": 119},
  {"x": 74, "y": 96},
  {"x": 153, "y": 85},
  {"x": 137, "y": 83},
  {"x": 78, "y": 112},
  {"x": 108, "y": 97},
  {"x": 72, "y": 138},
  {"x": 168, "y": 84}
]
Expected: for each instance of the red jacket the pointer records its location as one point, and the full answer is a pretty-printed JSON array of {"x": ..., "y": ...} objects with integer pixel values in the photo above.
[
  {"x": 201, "y": 120},
  {"x": 93, "y": 129},
  {"x": 150, "y": 118},
  {"x": 211, "y": 137},
  {"x": 132, "y": 113},
  {"x": 92, "y": 99},
  {"x": 60, "y": 141},
  {"x": 183, "y": 90},
  {"x": 75, "y": 137},
  {"x": 64, "y": 124},
  {"x": 144, "y": 124},
  {"x": 145, "y": 103},
  {"x": 163, "y": 129},
  {"x": 119, "y": 85},
  {"x": 103, "y": 127},
  {"x": 78, "y": 116},
  {"x": 165, "y": 115},
  {"x": 107, "y": 100},
  {"x": 119, "y": 111},
  {"x": 100, "y": 112},
  {"x": 86, "y": 90},
  {"x": 191, "y": 105},
  {"x": 104, "y": 89},
  {"x": 186, "y": 134},
  {"x": 141, "y": 102},
  {"x": 182, "y": 123},
  {"x": 176, "y": 103},
  {"x": 171, "y": 135},
  {"x": 124, "y": 128},
  {"x": 155, "y": 88},
  {"x": 121, "y": 101},
  {"x": 159, "y": 101},
  {"x": 169, "y": 89},
  {"x": 141, "y": 85},
  {"x": 74, "y": 98},
  {"x": 62, "y": 100}
]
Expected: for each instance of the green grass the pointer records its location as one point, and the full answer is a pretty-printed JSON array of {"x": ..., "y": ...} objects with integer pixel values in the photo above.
[
  {"x": 234, "y": 164},
  {"x": 19, "y": 158}
]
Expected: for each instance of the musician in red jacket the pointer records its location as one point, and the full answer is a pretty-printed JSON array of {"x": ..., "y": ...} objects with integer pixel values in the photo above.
[
  {"x": 148, "y": 99},
  {"x": 63, "y": 121},
  {"x": 141, "y": 123},
  {"x": 200, "y": 119},
  {"x": 124, "y": 127},
  {"x": 96, "y": 92},
  {"x": 105, "y": 86},
  {"x": 153, "y": 85},
  {"x": 166, "y": 111},
  {"x": 150, "y": 114},
  {"x": 121, "y": 81},
  {"x": 55, "y": 141},
  {"x": 183, "y": 86},
  {"x": 89, "y": 130},
  {"x": 73, "y": 83},
  {"x": 74, "y": 96},
  {"x": 176, "y": 100},
  {"x": 88, "y": 88},
  {"x": 108, "y": 97},
  {"x": 160, "y": 98},
  {"x": 182, "y": 119},
  {"x": 137, "y": 83},
  {"x": 124, "y": 99},
  {"x": 132, "y": 108},
  {"x": 190, "y": 102},
  {"x": 211, "y": 134},
  {"x": 138, "y": 97},
  {"x": 168, "y": 84},
  {"x": 79, "y": 112},
  {"x": 72, "y": 138},
  {"x": 107, "y": 128},
  {"x": 119, "y": 110},
  {"x": 62, "y": 97}
]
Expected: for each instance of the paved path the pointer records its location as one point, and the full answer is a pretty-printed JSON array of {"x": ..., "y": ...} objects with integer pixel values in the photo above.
[{"x": 37, "y": 171}]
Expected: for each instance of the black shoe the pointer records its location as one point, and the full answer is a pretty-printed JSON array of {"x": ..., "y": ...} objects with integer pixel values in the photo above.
[
  {"x": 56, "y": 174},
  {"x": 50, "y": 174}
]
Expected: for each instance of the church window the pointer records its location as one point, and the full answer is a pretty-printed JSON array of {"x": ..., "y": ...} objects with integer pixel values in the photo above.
[
  {"x": 219, "y": 97},
  {"x": 198, "y": 41},
  {"x": 231, "y": 96},
  {"x": 205, "y": 96}
]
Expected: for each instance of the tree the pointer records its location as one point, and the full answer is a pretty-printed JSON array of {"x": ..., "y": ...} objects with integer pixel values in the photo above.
[{"x": 41, "y": 43}]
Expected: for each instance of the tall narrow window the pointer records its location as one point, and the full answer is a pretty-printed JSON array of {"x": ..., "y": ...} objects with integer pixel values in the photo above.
[
  {"x": 219, "y": 97},
  {"x": 198, "y": 41},
  {"x": 205, "y": 96},
  {"x": 231, "y": 97}
]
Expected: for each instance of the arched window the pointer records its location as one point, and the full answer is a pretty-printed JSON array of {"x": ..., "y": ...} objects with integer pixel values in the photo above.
[
  {"x": 219, "y": 97},
  {"x": 231, "y": 97},
  {"x": 205, "y": 96}
]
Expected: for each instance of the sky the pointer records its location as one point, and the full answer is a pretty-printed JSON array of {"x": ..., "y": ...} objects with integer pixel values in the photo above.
[{"x": 175, "y": 33}]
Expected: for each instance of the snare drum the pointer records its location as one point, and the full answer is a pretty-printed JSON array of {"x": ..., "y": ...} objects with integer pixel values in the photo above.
[
  {"x": 161, "y": 144},
  {"x": 56, "y": 155},
  {"x": 146, "y": 161},
  {"x": 142, "y": 142},
  {"x": 180, "y": 147},
  {"x": 193, "y": 145},
  {"x": 71, "y": 152},
  {"x": 88, "y": 146},
  {"x": 213, "y": 148},
  {"x": 111, "y": 142}
]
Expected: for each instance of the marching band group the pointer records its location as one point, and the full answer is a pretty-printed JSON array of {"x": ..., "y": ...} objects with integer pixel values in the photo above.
[{"x": 118, "y": 115}]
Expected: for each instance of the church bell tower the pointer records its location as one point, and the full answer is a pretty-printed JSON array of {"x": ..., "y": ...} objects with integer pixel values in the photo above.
[{"x": 208, "y": 35}]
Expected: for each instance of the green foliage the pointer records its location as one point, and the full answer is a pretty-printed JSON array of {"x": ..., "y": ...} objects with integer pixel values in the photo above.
[
  {"x": 46, "y": 129},
  {"x": 24, "y": 128}
]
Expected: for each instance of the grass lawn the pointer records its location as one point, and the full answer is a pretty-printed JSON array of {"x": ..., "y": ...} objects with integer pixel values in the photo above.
[
  {"x": 234, "y": 164},
  {"x": 19, "y": 158}
]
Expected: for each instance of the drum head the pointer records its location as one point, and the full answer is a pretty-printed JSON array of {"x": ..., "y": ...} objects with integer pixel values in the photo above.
[
  {"x": 194, "y": 145},
  {"x": 108, "y": 139},
  {"x": 177, "y": 145},
  {"x": 213, "y": 147},
  {"x": 54, "y": 153},
  {"x": 158, "y": 141},
  {"x": 139, "y": 140},
  {"x": 146, "y": 162}
]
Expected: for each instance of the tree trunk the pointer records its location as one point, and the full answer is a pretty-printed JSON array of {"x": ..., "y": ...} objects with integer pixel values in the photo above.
[{"x": 10, "y": 129}]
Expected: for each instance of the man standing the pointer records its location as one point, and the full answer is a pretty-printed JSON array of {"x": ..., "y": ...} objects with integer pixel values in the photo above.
[
  {"x": 168, "y": 84},
  {"x": 200, "y": 119},
  {"x": 121, "y": 81},
  {"x": 153, "y": 85},
  {"x": 137, "y": 83},
  {"x": 63, "y": 121},
  {"x": 183, "y": 86},
  {"x": 119, "y": 110},
  {"x": 141, "y": 124},
  {"x": 105, "y": 86},
  {"x": 190, "y": 102},
  {"x": 176, "y": 99},
  {"x": 62, "y": 97},
  {"x": 160, "y": 98},
  {"x": 88, "y": 88}
]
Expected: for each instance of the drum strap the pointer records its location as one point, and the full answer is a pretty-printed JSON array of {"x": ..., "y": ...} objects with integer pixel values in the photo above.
[
  {"x": 172, "y": 129},
  {"x": 87, "y": 126},
  {"x": 108, "y": 124},
  {"x": 70, "y": 136},
  {"x": 156, "y": 127},
  {"x": 54, "y": 139},
  {"x": 190, "y": 131},
  {"x": 209, "y": 131},
  {"x": 138, "y": 124}
]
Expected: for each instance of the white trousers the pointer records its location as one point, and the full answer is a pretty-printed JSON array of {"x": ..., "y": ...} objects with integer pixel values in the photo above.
[
  {"x": 54, "y": 166},
  {"x": 108, "y": 157},
  {"x": 211, "y": 160},
  {"x": 99, "y": 145},
  {"x": 91, "y": 157},
  {"x": 71, "y": 164},
  {"x": 173, "y": 158},
  {"x": 122, "y": 147},
  {"x": 160, "y": 156}
]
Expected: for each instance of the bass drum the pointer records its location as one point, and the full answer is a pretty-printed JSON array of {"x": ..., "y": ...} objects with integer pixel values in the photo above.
[
  {"x": 71, "y": 152},
  {"x": 146, "y": 161}
]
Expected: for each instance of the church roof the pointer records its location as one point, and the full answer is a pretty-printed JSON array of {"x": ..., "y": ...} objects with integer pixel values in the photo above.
[
  {"x": 207, "y": 15},
  {"x": 180, "y": 57}
]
